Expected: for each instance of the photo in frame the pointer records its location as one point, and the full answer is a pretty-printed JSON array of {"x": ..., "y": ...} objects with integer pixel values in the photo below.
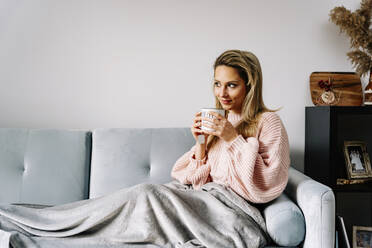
[
  {"x": 362, "y": 237},
  {"x": 357, "y": 161}
]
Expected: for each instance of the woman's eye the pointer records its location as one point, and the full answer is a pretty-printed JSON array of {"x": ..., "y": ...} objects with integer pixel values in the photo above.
[
  {"x": 217, "y": 84},
  {"x": 232, "y": 85}
]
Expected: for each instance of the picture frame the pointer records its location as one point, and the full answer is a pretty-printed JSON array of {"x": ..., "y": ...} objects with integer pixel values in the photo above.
[
  {"x": 362, "y": 237},
  {"x": 357, "y": 161},
  {"x": 342, "y": 238}
]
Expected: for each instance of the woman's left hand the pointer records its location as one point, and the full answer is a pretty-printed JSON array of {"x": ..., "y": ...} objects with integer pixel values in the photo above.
[{"x": 223, "y": 128}]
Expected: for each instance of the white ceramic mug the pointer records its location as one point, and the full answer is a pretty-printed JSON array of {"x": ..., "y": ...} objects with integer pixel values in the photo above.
[{"x": 205, "y": 112}]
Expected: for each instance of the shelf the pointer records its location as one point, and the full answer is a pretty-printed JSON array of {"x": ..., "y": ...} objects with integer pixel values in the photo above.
[
  {"x": 327, "y": 128},
  {"x": 363, "y": 187},
  {"x": 345, "y": 109}
]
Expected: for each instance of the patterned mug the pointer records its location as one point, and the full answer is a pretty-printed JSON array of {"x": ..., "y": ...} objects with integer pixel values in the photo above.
[{"x": 205, "y": 112}]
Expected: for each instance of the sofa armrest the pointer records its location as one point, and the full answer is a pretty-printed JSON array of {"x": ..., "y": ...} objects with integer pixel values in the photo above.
[{"x": 317, "y": 203}]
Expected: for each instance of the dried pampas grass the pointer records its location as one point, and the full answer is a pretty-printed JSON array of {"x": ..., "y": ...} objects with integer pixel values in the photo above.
[{"x": 357, "y": 26}]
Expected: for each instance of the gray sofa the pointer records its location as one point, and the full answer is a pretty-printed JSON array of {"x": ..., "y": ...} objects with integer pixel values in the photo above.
[{"x": 50, "y": 167}]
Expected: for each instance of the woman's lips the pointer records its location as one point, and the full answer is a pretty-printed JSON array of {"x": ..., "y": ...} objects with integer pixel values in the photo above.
[{"x": 226, "y": 101}]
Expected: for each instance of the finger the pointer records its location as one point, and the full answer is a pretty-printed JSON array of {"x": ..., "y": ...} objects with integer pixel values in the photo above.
[
  {"x": 198, "y": 114},
  {"x": 209, "y": 125},
  {"x": 199, "y": 118},
  {"x": 216, "y": 125},
  {"x": 214, "y": 133},
  {"x": 215, "y": 121},
  {"x": 197, "y": 124},
  {"x": 213, "y": 127},
  {"x": 196, "y": 131},
  {"x": 206, "y": 133},
  {"x": 197, "y": 128}
]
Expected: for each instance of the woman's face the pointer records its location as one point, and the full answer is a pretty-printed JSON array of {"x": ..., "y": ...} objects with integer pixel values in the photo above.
[{"x": 229, "y": 88}]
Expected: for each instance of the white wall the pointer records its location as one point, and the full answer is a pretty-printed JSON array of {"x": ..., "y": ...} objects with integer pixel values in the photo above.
[{"x": 88, "y": 64}]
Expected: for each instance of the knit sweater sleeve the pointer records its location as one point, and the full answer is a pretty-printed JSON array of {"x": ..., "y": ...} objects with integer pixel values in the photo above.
[
  {"x": 188, "y": 170},
  {"x": 258, "y": 168}
]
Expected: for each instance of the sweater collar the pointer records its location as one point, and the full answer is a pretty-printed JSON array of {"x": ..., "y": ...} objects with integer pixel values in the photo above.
[{"x": 233, "y": 118}]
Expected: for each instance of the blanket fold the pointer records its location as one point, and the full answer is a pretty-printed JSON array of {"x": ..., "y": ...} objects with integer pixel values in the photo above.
[{"x": 145, "y": 215}]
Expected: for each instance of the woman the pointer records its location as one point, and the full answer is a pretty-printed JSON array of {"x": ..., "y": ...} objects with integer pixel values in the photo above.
[{"x": 249, "y": 151}]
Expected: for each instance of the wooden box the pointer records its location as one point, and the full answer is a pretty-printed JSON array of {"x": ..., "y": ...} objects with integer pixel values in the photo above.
[{"x": 336, "y": 89}]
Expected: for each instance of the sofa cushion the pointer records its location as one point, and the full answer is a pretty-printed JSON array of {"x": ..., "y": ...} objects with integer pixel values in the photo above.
[
  {"x": 44, "y": 166},
  {"x": 128, "y": 156},
  {"x": 284, "y": 221}
]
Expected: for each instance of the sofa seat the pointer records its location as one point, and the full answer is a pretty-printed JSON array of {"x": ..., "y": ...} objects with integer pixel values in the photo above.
[{"x": 51, "y": 167}]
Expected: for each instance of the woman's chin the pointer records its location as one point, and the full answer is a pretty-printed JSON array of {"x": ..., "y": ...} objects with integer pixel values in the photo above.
[{"x": 226, "y": 107}]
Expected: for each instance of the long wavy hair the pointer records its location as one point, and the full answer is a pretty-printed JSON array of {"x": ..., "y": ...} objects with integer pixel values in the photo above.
[{"x": 249, "y": 69}]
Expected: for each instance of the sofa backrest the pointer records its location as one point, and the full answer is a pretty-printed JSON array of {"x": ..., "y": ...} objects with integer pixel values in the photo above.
[
  {"x": 125, "y": 157},
  {"x": 44, "y": 166}
]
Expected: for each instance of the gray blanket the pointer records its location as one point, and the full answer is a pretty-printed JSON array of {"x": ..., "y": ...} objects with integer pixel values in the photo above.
[{"x": 145, "y": 215}]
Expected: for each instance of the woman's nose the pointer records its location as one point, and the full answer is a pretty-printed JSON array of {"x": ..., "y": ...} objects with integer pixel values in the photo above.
[{"x": 222, "y": 92}]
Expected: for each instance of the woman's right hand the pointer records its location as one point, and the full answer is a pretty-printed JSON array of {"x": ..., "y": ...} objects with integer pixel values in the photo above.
[
  {"x": 196, "y": 129},
  {"x": 200, "y": 151}
]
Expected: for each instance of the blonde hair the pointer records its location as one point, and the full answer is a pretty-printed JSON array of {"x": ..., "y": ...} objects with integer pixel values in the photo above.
[{"x": 249, "y": 69}]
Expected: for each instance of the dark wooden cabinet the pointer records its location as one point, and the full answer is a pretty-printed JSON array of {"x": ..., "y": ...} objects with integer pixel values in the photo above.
[{"x": 326, "y": 129}]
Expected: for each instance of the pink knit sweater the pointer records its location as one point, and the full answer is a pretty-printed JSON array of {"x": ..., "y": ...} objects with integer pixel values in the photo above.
[{"x": 256, "y": 168}]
